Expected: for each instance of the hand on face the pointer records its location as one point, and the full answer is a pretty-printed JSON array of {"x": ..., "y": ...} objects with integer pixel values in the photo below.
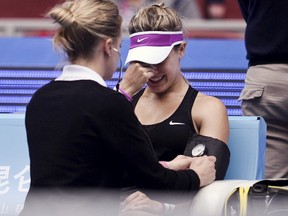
[{"x": 136, "y": 76}]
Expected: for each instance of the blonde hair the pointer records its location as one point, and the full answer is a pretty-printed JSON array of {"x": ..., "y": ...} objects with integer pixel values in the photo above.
[
  {"x": 155, "y": 17},
  {"x": 83, "y": 23}
]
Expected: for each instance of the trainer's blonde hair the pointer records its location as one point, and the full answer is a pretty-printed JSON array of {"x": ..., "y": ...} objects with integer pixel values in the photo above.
[
  {"x": 83, "y": 23},
  {"x": 155, "y": 17}
]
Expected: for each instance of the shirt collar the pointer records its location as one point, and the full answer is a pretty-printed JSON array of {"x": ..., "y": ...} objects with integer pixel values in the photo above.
[{"x": 77, "y": 72}]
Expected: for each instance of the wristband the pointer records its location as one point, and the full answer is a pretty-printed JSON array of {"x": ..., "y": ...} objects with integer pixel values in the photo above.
[{"x": 128, "y": 97}]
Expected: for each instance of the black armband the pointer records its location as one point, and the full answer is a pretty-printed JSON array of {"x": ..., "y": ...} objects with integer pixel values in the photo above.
[{"x": 199, "y": 145}]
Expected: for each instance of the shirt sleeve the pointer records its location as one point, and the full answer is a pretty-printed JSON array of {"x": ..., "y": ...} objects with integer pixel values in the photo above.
[{"x": 129, "y": 140}]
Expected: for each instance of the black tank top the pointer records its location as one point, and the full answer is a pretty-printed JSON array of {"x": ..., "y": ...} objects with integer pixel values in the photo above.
[{"x": 169, "y": 137}]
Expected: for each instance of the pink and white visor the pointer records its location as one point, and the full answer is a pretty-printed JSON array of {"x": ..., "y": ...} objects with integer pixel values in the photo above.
[{"x": 152, "y": 47}]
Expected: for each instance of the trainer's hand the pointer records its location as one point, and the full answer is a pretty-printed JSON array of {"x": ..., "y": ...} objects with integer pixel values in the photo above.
[
  {"x": 136, "y": 76},
  {"x": 205, "y": 168},
  {"x": 139, "y": 201},
  {"x": 181, "y": 162}
]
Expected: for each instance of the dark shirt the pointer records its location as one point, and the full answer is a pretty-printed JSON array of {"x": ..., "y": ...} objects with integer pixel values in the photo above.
[
  {"x": 169, "y": 137},
  {"x": 85, "y": 136},
  {"x": 266, "y": 32}
]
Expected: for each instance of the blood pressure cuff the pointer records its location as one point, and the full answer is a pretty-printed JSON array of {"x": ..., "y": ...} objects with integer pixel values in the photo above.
[{"x": 199, "y": 145}]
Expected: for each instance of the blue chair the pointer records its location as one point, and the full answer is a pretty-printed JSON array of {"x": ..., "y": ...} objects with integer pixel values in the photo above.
[{"x": 247, "y": 144}]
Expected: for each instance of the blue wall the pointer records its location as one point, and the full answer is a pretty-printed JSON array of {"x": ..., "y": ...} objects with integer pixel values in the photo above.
[{"x": 200, "y": 53}]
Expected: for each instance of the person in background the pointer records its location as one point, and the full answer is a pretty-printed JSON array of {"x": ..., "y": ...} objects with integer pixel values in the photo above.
[
  {"x": 266, "y": 82},
  {"x": 215, "y": 9},
  {"x": 170, "y": 110},
  {"x": 192, "y": 9},
  {"x": 187, "y": 9},
  {"x": 82, "y": 136},
  {"x": 128, "y": 8}
]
